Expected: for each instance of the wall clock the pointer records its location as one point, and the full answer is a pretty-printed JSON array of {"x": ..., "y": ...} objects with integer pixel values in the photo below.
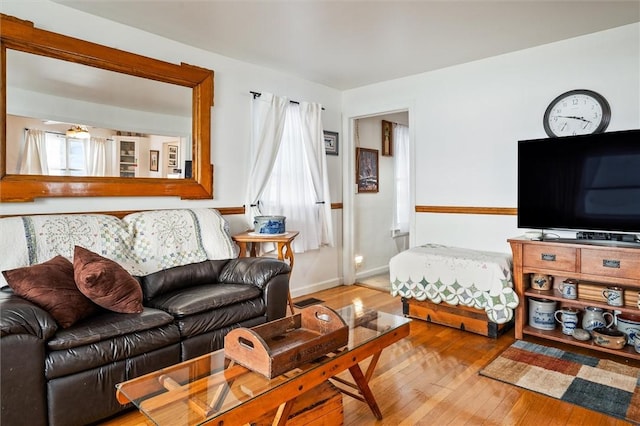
[{"x": 577, "y": 112}]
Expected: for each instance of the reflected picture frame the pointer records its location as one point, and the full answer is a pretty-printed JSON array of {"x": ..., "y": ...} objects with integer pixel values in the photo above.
[
  {"x": 154, "y": 157},
  {"x": 173, "y": 156},
  {"x": 331, "y": 143}
]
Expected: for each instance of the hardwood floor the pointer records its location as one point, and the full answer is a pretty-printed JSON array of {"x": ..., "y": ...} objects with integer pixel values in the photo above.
[{"x": 431, "y": 378}]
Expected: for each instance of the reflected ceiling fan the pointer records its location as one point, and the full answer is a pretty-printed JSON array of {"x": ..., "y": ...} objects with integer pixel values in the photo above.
[{"x": 78, "y": 131}]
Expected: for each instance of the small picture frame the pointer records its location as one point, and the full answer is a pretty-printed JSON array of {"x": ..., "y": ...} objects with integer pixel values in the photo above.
[
  {"x": 154, "y": 156},
  {"x": 387, "y": 138},
  {"x": 367, "y": 169},
  {"x": 173, "y": 156},
  {"x": 331, "y": 143}
]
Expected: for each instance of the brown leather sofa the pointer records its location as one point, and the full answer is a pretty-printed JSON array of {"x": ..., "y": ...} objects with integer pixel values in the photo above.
[{"x": 67, "y": 376}]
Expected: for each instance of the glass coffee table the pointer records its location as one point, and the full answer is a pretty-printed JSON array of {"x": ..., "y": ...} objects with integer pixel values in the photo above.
[{"x": 212, "y": 389}]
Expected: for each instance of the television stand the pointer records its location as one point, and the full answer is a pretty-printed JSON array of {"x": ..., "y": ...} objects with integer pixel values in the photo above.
[{"x": 594, "y": 267}]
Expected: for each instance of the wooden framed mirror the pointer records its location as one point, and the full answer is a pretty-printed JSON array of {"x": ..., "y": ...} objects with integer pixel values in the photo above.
[{"x": 22, "y": 36}]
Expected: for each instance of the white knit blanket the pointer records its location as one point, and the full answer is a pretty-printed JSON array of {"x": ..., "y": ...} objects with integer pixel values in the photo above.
[{"x": 142, "y": 243}]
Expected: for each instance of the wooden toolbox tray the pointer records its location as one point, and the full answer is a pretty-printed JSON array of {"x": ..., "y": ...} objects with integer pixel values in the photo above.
[{"x": 278, "y": 346}]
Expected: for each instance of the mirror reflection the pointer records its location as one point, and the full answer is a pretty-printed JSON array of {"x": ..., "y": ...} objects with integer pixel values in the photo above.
[{"x": 68, "y": 119}]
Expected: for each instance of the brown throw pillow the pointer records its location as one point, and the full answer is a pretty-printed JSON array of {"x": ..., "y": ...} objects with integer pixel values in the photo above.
[
  {"x": 106, "y": 283},
  {"x": 51, "y": 286}
]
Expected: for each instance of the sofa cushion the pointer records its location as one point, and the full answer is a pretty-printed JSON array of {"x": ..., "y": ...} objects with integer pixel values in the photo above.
[
  {"x": 107, "y": 325},
  {"x": 51, "y": 286},
  {"x": 106, "y": 283},
  {"x": 204, "y": 298},
  {"x": 179, "y": 277},
  {"x": 68, "y": 361},
  {"x": 194, "y": 325}
]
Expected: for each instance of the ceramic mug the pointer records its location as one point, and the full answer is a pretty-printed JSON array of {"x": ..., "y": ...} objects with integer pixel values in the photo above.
[
  {"x": 569, "y": 289},
  {"x": 541, "y": 281},
  {"x": 614, "y": 296},
  {"x": 568, "y": 319}
]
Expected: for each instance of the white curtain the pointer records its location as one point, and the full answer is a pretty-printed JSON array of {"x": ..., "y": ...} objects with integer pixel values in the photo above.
[
  {"x": 34, "y": 154},
  {"x": 95, "y": 153},
  {"x": 296, "y": 186},
  {"x": 313, "y": 138},
  {"x": 402, "y": 204},
  {"x": 268, "y": 116}
]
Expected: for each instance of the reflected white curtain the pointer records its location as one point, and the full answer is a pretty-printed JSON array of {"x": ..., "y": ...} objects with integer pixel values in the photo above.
[
  {"x": 268, "y": 117},
  {"x": 95, "y": 156},
  {"x": 34, "y": 154},
  {"x": 402, "y": 202}
]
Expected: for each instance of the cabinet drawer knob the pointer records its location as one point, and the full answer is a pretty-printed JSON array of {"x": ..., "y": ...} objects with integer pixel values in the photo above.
[
  {"x": 548, "y": 257},
  {"x": 609, "y": 263}
]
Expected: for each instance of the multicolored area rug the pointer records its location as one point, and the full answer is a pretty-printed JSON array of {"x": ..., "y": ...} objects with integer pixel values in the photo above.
[{"x": 597, "y": 384}]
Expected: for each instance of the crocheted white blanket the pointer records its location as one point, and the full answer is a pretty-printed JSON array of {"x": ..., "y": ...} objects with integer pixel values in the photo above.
[
  {"x": 142, "y": 243},
  {"x": 438, "y": 273}
]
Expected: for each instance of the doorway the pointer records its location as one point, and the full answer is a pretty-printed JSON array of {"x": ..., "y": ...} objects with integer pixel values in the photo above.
[{"x": 375, "y": 234}]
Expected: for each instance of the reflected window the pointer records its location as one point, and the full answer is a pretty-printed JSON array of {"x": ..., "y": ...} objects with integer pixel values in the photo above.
[{"x": 65, "y": 156}]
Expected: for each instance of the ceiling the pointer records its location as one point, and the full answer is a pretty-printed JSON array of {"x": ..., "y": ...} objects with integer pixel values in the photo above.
[{"x": 349, "y": 43}]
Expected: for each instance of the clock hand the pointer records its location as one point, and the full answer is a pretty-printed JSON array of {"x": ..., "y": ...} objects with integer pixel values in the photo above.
[{"x": 573, "y": 117}]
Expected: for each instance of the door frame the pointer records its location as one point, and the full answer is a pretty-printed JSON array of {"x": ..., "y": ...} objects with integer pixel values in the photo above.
[{"x": 349, "y": 188}]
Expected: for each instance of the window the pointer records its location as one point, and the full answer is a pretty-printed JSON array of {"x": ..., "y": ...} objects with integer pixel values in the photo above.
[
  {"x": 402, "y": 205},
  {"x": 289, "y": 191},
  {"x": 65, "y": 156}
]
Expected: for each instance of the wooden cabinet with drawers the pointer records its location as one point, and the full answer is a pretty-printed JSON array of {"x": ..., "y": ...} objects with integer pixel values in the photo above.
[{"x": 594, "y": 267}]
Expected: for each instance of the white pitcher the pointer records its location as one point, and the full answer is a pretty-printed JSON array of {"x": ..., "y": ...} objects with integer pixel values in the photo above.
[{"x": 594, "y": 317}]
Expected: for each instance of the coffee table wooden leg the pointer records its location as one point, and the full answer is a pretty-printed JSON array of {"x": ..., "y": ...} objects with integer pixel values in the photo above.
[
  {"x": 282, "y": 415},
  {"x": 372, "y": 366},
  {"x": 363, "y": 386}
]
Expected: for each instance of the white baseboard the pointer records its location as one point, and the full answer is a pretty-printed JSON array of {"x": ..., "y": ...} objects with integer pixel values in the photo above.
[
  {"x": 312, "y": 288},
  {"x": 371, "y": 272}
]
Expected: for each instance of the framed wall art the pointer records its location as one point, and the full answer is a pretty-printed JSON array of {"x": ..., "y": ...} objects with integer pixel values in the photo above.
[
  {"x": 173, "y": 156},
  {"x": 367, "y": 169},
  {"x": 387, "y": 138},
  {"x": 331, "y": 143},
  {"x": 153, "y": 160}
]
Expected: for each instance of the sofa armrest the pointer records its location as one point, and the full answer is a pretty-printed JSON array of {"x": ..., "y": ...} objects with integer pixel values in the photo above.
[
  {"x": 257, "y": 271},
  {"x": 19, "y": 316},
  {"x": 24, "y": 331},
  {"x": 270, "y": 275}
]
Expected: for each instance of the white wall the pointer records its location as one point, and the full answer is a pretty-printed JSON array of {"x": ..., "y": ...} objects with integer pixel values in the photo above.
[
  {"x": 374, "y": 210},
  {"x": 465, "y": 122},
  {"x": 230, "y": 126}
]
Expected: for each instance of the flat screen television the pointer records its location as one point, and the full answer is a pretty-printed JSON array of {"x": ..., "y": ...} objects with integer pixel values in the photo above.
[{"x": 585, "y": 183}]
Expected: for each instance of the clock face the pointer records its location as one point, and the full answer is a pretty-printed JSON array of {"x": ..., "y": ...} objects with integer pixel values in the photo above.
[{"x": 577, "y": 112}]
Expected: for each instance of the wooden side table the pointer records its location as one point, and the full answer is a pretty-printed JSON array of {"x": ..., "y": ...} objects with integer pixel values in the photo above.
[{"x": 250, "y": 240}]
